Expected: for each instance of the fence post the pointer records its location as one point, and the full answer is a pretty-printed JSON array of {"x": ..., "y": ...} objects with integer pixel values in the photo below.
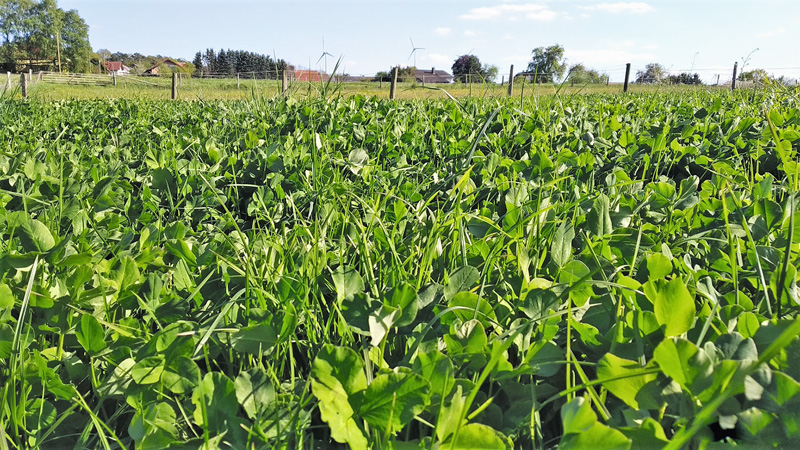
[
  {"x": 174, "y": 85},
  {"x": 237, "y": 80},
  {"x": 393, "y": 87},
  {"x": 8, "y": 80},
  {"x": 23, "y": 81},
  {"x": 30, "y": 75},
  {"x": 114, "y": 77},
  {"x": 284, "y": 84},
  {"x": 511, "y": 81},
  {"x": 627, "y": 77},
  {"x": 180, "y": 79},
  {"x": 733, "y": 81}
]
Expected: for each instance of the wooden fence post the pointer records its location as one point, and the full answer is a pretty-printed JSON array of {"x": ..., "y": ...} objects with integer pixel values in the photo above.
[
  {"x": 627, "y": 77},
  {"x": 174, "y": 85},
  {"x": 511, "y": 81},
  {"x": 237, "y": 80},
  {"x": 8, "y": 80},
  {"x": 30, "y": 75},
  {"x": 23, "y": 81},
  {"x": 284, "y": 83},
  {"x": 393, "y": 88},
  {"x": 114, "y": 77},
  {"x": 733, "y": 81}
]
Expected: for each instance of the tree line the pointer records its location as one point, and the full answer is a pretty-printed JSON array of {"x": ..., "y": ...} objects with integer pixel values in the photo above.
[
  {"x": 39, "y": 35},
  {"x": 230, "y": 62},
  {"x": 548, "y": 65}
]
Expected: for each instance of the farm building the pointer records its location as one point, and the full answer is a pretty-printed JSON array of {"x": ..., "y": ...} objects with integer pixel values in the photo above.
[
  {"x": 171, "y": 63},
  {"x": 309, "y": 75},
  {"x": 117, "y": 68},
  {"x": 433, "y": 76}
]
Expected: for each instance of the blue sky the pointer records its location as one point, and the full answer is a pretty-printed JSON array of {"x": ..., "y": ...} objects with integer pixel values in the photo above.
[{"x": 705, "y": 36}]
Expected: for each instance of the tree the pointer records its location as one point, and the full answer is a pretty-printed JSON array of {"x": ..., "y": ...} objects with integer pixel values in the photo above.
[
  {"x": 198, "y": 62},
  {"x": 468, "y": 69},
  {"x": 579, "y": 74},
  {"x": 75, "y": 48},
  {"x": 652, "y": 73},
  {"x": 404, "y": 74},
  {"x": 685, "y": 78},
  {"x": 35, "y": 32},
  {"x": 757, "y": 75},
  {"x": 489, "y": 72},
  {"x": 547, "y": 64}
]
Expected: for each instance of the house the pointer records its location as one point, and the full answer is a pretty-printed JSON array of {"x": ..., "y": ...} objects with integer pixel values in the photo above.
[
  {"x": 310, "y": 76},
  {"x": 171, "y": 63},
  {"x": 117, "y": 68},
  {"x": 433, "y": 76}
]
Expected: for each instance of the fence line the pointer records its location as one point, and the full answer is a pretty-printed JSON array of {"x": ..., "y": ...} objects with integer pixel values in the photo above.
[{"x": 723, "y": 77}]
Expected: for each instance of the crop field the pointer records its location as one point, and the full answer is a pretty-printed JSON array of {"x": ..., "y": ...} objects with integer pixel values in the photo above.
[
  {"x": 155, "y": 88},
  {"x": 571, "y": 271}
]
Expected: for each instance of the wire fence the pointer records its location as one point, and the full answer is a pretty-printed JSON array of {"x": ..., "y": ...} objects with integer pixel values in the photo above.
[{"x": 709, "y": 76}]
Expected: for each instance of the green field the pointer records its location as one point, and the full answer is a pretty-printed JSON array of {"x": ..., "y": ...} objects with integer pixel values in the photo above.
[
  {"x": 596, "y": 271},
  {"x": 155, "y": 88}
]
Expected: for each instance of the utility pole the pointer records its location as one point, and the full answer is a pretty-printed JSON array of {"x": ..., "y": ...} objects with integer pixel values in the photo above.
[{"x": 58, "y": 50}]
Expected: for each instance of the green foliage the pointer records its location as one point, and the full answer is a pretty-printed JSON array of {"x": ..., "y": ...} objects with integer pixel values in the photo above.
[
  {"x": 32, "y": 29},
  {"x": 587, "y": 271},
  {"x": 547, "y": 64},
  {"x": 652, "y": 73},
  {"x": 579, "y": 74},
  {"x": 468, "y": 69}
]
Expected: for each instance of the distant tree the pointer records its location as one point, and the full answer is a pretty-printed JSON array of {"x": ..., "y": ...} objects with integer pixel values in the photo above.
[
  {"x": 652, "y": 73},
  {"x": 405, "y": 74},
  {"x": 489, "y": 72},
  {"x": 230, "y": 62},
  {"x": 685, "y": 78},
  {"x": 757, "y": 75},
  {"x": 74, "y": 38},
  {"x": 547, "y": 64},
  {"x": 198, "y": 62},
  {"x": 210, "y": 59},
  {"x": 579, "y": 74},
  {"x": 223, "y": 64},
  {"x": 467, "y": 68},
  {"x": 31, "y": 29}
]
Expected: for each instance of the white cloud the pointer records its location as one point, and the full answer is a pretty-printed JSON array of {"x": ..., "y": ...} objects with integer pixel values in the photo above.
[
  {"x": 511, "y": 11},
  {"x": 470, "y": 33},
  {"x": 771, "y": 33},
  {"x": 442, "y": 31},
  {"x": 545, "y": 15},
  {"x": 439, "y": 59},
  {"x": 622, "y": 7}
]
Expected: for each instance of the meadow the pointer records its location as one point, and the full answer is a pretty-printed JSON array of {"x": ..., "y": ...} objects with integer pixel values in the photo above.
[
  {"x": 210, "y": 89},
  {"x": 597, "y": 271}
]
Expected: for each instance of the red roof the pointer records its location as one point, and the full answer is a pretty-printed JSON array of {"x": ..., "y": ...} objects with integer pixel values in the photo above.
[
  {"x": 114, "y": 66},
  {"x": 309, "y": 75}
]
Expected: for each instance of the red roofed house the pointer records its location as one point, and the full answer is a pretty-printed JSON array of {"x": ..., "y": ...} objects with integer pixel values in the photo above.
[
  {"x": 117, "y": 68},
  {"x": 171, "y": 63},
  {"x": 310, "y": 75}
]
